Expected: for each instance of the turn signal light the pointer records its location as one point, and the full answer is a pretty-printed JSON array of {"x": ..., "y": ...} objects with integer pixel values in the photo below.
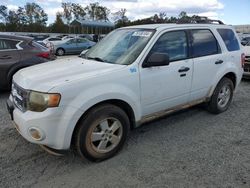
[{"x": 243, "y": 58}]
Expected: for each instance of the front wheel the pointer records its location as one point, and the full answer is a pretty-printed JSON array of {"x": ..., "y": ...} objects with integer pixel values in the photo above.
[
  {"x": 60, "y": 52},
  {"x": 102, "y": 133},
  {"x": 221, "y": 97}
]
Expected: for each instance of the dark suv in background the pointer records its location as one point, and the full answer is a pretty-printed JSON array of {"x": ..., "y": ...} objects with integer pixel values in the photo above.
[{"x": 17, "y": 52}]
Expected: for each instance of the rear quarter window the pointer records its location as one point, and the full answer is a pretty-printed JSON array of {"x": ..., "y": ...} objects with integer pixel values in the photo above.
[
  {"x": 6, "y": 44},
  {"x": 229, "y": 39}
]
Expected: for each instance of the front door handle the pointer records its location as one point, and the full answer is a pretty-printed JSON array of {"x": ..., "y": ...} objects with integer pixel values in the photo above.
[
  {"x": 184, "y": 69},
  {"x": 219, "y": 62}
]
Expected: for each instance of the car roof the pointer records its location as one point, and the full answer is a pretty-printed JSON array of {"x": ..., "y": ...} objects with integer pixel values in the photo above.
[
  {"x": 169, "y": 26},
  {"x": 16, "y": 37}
]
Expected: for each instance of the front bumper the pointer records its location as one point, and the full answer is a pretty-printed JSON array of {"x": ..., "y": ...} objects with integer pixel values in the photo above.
[
  {"x": 246, "y": 69},
  {"x": 54, "y": 124}
]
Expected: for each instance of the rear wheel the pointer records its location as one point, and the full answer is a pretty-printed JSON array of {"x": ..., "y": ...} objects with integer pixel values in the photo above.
[
  {"x": 221, "y": 97},
  {"x": 102, "y": 133}
]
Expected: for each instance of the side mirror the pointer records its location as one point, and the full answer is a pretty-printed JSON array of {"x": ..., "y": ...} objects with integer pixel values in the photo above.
[
  {"x": 83, "y": 53},
  {"x": 156, "y": 60}
]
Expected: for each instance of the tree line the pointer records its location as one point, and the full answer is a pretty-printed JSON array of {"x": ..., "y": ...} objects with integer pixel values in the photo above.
[{"x": 32, "y": 17}]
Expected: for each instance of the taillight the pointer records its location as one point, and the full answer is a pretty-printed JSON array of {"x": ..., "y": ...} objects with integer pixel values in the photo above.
[
  {"x": 44, "y": 55},
  {"x": 243, "y": 59}
]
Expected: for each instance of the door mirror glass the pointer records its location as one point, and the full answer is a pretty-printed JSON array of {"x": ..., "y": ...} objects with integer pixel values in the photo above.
[{"x": 157, "y": 59}]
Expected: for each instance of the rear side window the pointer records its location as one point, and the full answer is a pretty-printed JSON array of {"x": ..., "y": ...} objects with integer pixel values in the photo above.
[
  {"x": 229, "y": 39},
  {"x": 203, "y": 43},
  {"x": 172, "y": 43},
  {"x": 37, "y": 45},
  {"x": 6, "y": 44},
  {"x": 81, "y": 40}
]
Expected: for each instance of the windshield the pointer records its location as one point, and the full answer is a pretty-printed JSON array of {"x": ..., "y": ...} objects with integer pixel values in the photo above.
[{"x": 121, "y": 46}]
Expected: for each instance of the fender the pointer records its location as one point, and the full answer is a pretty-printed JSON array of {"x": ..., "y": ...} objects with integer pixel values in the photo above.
[{"x": 93, "y": 96}]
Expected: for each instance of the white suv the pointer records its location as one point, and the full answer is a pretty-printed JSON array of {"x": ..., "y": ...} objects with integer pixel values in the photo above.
[{"x": 134, "y": 74}]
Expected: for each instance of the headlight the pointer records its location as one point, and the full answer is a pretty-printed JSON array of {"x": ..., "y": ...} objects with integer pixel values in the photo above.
[{"x": 39, "y": 102}]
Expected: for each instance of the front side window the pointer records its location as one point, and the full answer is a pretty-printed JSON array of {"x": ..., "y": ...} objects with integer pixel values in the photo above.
[
  {"x": 203, "y": 43},
  {"x": 174, "y": 44},
  {"x": 122, "y": 46},
  {"x": 229, "y": 39},
  {"x": 6, "y": 44}
]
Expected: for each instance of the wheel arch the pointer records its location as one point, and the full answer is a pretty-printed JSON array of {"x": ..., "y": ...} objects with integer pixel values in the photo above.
[
  {"x": 232, "y": 77},
  {"x": 230, "y": 74},
  {"x": 13, "y": 70},
  {"x": 117, "y": 102}
]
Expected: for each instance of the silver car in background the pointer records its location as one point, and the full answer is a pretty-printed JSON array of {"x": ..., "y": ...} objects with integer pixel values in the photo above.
[{"x": 73, "y": 46}]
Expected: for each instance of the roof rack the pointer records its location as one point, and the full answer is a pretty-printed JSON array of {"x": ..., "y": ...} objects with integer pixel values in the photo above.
[{"x": 199, "y": 20}]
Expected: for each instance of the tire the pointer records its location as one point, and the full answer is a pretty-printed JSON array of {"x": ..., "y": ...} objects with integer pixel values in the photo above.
[
  {"x": 60, "y": 52},
  {"x": 94, "y": 138},
  {"x": 222, "y": 96}
]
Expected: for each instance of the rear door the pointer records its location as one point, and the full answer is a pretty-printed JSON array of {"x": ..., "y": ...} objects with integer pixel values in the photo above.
[
  {"x": 207, "y": 58},
  {"x": 8, "y": 51}
]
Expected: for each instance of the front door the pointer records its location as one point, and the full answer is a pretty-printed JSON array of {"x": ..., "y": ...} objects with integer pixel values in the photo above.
[{"x": 167, "y": 86}]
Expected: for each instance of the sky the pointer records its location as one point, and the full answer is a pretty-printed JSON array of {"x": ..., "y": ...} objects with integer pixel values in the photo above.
[{"x": 234, "y": 12}]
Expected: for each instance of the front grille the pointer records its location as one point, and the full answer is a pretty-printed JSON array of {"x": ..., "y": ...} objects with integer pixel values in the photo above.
[
  {"x": 247, "y": 58},
  {"x": 247, "y": 67},
  {"x": 19, "y": 96}
]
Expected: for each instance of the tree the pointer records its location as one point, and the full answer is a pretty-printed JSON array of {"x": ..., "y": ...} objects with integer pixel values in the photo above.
[
  {"x": 120, "y": 18},
  {"x": 12, "y": 21},
  {"x": 97, "y": 12},
  {"x": 91, "y": 10},
  {"x": 35, "y": 17},
  {"x": 67, "y": 12},
  {"x": 102, "y": 13},
  {"x": 183, "y": 14},
  {"x": 58, "y": 26},
  {"x": 78, "y": 11},
  {"x": 184, "y": 18},
  {"x": 35, "y": 14},
  {"x": 3, "y": 13}
]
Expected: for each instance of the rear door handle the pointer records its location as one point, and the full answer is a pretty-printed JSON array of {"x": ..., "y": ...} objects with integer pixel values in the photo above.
[
  {"x": 5, "y": 57},
  {"x": 219, "y": 62},
  {"x": 184, "y": 69}
]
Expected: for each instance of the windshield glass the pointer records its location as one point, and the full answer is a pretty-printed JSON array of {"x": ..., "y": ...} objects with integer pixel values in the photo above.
[{"x": 121, "y": 46}]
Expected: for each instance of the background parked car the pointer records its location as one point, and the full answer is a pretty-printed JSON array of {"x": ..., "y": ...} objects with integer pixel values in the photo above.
[
  {"x": 245, "y": 40},
  {"x": 73, "y": 46},
  {"x": 87, "y": 36},
  {"x": 38, "y": 37},
  {"x": 17, "y": 52},
  {"x": 53, "y": 40},
  {"x": 246, "y": 49}
]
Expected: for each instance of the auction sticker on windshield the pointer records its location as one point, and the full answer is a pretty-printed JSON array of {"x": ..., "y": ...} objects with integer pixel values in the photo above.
[{"x": 142, "y": 33}]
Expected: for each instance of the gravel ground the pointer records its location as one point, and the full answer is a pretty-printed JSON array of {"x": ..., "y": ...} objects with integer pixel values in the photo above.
[{"x": 191, "y": 148}]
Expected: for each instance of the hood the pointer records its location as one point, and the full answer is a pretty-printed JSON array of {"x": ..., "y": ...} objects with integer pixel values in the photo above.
[{"x": 45, "y": 76}]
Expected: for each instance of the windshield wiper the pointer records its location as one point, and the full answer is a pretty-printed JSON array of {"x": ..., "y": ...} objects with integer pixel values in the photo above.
[{"x": 96, "y": 58}]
